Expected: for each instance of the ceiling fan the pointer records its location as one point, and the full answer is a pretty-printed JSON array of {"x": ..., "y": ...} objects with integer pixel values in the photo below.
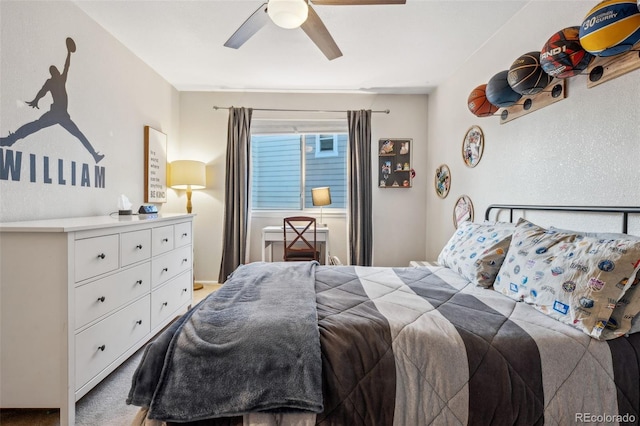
[{"x": 294, "y": 14}]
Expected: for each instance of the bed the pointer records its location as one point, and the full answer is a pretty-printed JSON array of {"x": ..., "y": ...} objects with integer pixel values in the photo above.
[{"x": 517, "y": 325}]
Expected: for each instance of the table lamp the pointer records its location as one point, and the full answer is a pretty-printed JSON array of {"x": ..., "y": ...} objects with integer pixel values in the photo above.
[
  {"x": 188, "y": 174},
  {"x": 321, "y": 197}
]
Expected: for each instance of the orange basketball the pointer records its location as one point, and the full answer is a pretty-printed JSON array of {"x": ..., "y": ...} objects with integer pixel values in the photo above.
[{"x": 478, "y": 103}]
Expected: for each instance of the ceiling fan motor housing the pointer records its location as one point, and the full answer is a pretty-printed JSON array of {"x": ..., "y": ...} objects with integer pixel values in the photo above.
[{"x": 288, "y": 13}]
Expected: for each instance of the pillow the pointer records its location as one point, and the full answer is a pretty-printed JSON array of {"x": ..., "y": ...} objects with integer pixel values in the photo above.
[
  {"x": 571, "y": 277},
  {"x": 625, "y": 315},
  {"x": 476, "y": 250}
]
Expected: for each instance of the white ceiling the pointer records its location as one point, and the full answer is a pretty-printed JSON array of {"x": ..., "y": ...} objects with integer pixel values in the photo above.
[{"x": 407, "y": 48}]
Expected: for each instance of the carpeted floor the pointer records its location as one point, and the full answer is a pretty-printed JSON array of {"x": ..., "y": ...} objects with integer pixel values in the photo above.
[{"x": 103, "y": 405}]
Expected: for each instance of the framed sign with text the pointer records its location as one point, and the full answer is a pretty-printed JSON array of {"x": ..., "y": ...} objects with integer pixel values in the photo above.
[{"x": 155, "y": 166}]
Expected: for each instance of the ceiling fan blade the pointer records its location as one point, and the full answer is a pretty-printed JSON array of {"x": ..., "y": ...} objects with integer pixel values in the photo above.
[
  {"x": 356, "y": 2},
  {"x": 257, "y": 20},
  {"x": 318, "y": 33}
]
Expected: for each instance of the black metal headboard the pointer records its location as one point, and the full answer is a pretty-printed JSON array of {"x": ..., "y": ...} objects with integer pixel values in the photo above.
[{"x": 624, "y": 211}]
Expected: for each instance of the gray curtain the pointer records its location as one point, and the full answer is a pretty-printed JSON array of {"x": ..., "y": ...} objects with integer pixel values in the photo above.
[
  {"x": 236, "y": 191},
  {"x": 359, "y": 171}
]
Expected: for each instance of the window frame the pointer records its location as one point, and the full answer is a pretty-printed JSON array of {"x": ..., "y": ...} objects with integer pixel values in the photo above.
[
  {"x": 304, "y": 139},
  {"x": 319, "y": 152}
]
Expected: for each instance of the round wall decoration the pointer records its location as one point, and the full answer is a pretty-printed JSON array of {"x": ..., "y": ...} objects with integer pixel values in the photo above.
[
  {"x": 442, "y": 180},
  {"x": 473, "y": 146},
  {"x": 463, "y": 211}
]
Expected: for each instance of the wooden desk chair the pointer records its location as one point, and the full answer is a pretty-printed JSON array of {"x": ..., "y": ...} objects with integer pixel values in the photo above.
[{"x": 297, "y": 246}]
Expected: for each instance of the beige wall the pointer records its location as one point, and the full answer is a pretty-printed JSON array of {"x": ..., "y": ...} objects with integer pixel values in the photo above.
[
  {"x": 399, "y": 214},
  {"x": 581, "y": 150},
  {"x": 578, "y": 151},
  {"x": 112, "y": 96}
]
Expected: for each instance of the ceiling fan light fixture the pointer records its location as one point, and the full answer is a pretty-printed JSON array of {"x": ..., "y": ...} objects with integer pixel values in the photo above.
[{"x": 288, "y": 13}]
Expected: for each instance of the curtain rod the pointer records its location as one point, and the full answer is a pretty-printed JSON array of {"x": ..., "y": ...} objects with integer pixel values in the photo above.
[{"x": 386, "y": 111}]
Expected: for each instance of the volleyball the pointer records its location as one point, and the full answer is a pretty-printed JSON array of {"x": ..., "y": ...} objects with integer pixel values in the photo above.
[
  {"x": 611, "y": 27},
  {"x": 563, "y": 56},
  {"x": 478, "y": 103},
  {"x": 499, "y": 92},
  {"x": 526, "y": 76}
]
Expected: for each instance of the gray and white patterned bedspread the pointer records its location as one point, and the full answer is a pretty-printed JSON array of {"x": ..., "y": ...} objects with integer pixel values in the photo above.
[{"x": 423, "y": 346}]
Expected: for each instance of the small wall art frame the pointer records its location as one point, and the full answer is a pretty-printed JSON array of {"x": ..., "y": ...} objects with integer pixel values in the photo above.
[
  {"x": 442, "y": 181},
  {"x": 462, "y": 211},
  {"x": 473, "y": 146},
  {"x": 155, "y": 166}
]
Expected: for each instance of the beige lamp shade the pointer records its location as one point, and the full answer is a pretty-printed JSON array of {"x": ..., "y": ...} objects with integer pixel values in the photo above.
[
  {"x": 188, "y": 173},
  {"x": 321, "y": 196}
]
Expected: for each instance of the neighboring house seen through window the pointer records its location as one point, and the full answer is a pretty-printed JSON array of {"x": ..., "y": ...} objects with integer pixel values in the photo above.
[{"x": 285, "y": 167}]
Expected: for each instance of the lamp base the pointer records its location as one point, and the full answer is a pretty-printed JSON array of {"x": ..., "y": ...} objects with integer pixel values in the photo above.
[
  {"x": 197, "y": 286},
  {"x": 189, "y": 205}
]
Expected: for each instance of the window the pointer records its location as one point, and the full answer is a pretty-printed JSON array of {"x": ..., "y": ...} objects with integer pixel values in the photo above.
[
  {"x": 285, "y": 167},
  {"x": 326, "y": 145}
]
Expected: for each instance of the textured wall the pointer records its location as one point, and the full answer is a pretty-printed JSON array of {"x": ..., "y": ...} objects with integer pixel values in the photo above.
[{"x": 581, "y": 150}]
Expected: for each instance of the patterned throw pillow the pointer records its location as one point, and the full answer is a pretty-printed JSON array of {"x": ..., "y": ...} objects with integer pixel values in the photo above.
[
  {"x": 571, "y": 277},
  {"x": 625, "y": 315},
  {"x": 476, "y": 250},
  {"x": 622, "y": 318}
]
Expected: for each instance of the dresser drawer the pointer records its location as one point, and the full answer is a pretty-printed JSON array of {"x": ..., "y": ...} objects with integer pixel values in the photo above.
[
  {"x": 101, "y": 344},
  {"x": 166, "y": 300},
  {"x": 95, "y": 256},
  {"x": 182, "y": 234},
  {"x": 169, "y": 265},
  {"x": 162, "y": 240},
  {"x": 102, "y": 296},
  {"x": 135, "y": 246}
]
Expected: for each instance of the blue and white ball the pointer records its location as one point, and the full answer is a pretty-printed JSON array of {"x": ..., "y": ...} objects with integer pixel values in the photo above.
[{"x": 612, "y": 27}]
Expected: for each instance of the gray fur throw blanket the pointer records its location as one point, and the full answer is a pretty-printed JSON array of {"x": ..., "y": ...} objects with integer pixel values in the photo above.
[{"x": 225, "y": 357}]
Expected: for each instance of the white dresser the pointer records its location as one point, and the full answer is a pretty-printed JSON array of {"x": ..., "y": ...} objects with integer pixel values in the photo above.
[{"x": 78, "y": 296}]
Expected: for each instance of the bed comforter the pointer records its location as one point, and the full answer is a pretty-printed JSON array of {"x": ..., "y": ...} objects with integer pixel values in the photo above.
[{"x": 423, "y": 346}]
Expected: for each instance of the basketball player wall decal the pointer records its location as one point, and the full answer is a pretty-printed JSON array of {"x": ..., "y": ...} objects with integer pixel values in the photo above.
[{"x": 57, "y": 114}]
